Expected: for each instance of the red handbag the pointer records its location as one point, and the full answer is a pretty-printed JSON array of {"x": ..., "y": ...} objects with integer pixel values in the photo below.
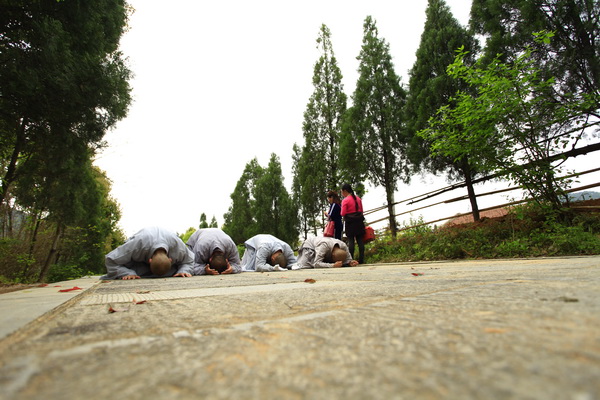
[
  {"x": 329, "y": 229},
  {"x": 369, "y": 235}
]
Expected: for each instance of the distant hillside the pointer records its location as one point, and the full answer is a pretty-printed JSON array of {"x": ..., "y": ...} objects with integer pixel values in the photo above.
[{"x": 585, "y": 195}]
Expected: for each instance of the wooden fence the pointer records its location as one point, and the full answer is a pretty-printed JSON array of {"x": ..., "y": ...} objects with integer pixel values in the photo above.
[{"x": 431, "y": 194}]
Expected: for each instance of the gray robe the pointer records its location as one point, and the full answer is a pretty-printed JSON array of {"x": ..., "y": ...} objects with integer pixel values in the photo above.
[
  {"x": 259, "y": 249},
  {"x": 316, "y": 251},
  {"x": 131, "y": 258},
  {"x": 204, "y": 242}
]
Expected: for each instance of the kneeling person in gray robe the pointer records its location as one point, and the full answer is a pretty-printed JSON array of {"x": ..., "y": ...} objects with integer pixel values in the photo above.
[
  {"x": 214, "y": 252},
  {"x": 151, "y": 253},
  {"x": 324, "y": 252},
  {"x": 265, "y": 253}
]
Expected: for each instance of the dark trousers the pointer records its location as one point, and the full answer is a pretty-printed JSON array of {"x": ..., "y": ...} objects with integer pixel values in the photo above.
[
  {"x": 361, "y": 246},
  {"x": 339, "y": 227}
]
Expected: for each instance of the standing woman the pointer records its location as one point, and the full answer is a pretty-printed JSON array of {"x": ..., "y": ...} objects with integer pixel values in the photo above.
[
  {"x": 352, "y": 211},
  {"x": 335, "y": 213}
]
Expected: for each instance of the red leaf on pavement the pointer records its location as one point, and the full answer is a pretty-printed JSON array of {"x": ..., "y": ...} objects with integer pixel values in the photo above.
[
  {"x": 70, "y": 290},
  {"x": 111, "y": 309},
  {"x": 140, "y": 302},
  {"x": 417, "y": 273},
  {"x": 309, "y": 280}
]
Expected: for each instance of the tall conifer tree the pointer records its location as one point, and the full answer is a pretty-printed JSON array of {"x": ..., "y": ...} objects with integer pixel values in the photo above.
[
  {"x": 317, "y": 167},
  {"x": 430, "y": 88},
  {"x": 572, "y": 57},
  {"x": 374, "y": 133},
  {"x": 261, "y": 204}
]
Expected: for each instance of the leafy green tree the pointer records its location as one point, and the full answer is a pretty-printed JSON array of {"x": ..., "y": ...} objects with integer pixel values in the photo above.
[
  {"x": 430, "y": 88},
  {"x": 186, "y": 235},
  {"x": 317, "y": 168},
  {"x": 239, "y": 220},
  {"x": 84, "y": 245},
  {"x": 306, "y": 188},
  {"x": 213, "y": 223},
  {"x": 572, "y": 57},
  {"x": 273, "y": 210},
  {"x": 515, "y": 129},
  {"x": 60, "y": 71},
  {"x": 74, "y": 200},
  {"x": 266, "y": 207},
  {"x": 375, "y": 138},
  {"x": 203, "y": 223}
]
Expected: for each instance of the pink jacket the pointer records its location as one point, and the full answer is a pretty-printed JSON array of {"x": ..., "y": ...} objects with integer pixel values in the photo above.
[{"x": 349, "y": 205}]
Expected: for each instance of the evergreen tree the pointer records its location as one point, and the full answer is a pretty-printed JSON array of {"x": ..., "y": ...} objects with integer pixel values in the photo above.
[
  {"x": 213, "y": 223},
  {"x": 572, "y": 57},
  {"x": 306, "y": 188},
  {"x": 239, "y": 220},
  {"x": 60, "y": 71},
  {"x": 273, "y": 209},
  {"x": 316, "y": 166},
  {"x": 261, "y": 204},
  {"x": 430, "y": 88},
  {"x": 514, "y": 129},
  {"x": 203, "y": 223},
  {"x": 374, "y": 138}
]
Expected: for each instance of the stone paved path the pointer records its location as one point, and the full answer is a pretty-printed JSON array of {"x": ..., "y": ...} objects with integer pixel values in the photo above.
[{"x": 516, "y": 329}]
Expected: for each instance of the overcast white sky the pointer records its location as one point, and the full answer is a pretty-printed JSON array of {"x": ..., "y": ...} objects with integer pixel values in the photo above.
[{"x": 219, "y": 83}]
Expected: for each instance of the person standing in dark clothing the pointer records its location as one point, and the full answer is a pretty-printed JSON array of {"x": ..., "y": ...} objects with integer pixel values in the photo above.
[
  {"x": 352, "y": 211},
  {"x": 335, "y": 213}
]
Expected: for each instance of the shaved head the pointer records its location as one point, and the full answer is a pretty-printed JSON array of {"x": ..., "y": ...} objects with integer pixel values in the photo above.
[
  {"x": 339, "y": 254},
  {"x": 160, "y": 263}
]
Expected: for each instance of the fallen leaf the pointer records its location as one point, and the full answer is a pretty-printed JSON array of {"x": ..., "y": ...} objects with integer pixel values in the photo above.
[
  {"x": 309, "y": 280},
  {"x": 140, "y": 302},
  {"x": 112, "y": 309},
  {"x": 70, "y": 290},
  {"x": 417, "y": 273},
  {"x": 42, "y": 285},
  {"x": 143, "y": 291},
  {"x": 495, "y": 330}
]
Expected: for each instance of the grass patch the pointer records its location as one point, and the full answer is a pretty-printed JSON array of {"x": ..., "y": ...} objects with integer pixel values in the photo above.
[{"x": 524, "y": 232}]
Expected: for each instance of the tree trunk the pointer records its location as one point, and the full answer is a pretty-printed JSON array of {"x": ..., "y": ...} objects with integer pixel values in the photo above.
[
  {"x": 32, "y": 241},
  {"x": 52, "y": 253},
  {"x": 389, "y": 194},
  {"x": 471, "y": 191},
  {"x": 10, "y": 174}
]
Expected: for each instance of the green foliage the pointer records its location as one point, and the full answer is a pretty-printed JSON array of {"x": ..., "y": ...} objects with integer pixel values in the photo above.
[
  {"x": 510, "y": 126},
  {"x": 261, "y": 204},
  {"x": 203, "y": 223},
  {"x": 63, "y": 81},
  {"x": 185, "y": 236},
  {"x": 571, "y": 57},
  {"x": 525, "y": 232},
  {"x": 415, "y": 226},
  {"x": 430, "y": 87},
  {"x": 64, "y": 84},
  {"x": 316, "y": 167},
  {"x": 65, "y": 272},
  {"x": 374, "y": 139}
]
